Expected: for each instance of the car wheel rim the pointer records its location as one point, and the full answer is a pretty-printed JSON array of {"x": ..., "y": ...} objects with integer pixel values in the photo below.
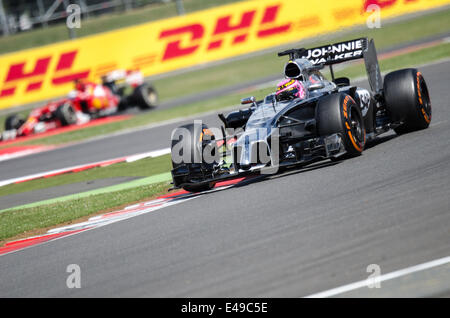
[
  {"x": 152, "y": 98},
  {"x": 355, "y": 126}
]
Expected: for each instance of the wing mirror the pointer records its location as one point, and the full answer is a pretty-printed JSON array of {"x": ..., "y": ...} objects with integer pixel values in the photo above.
[{"x": 248, "y": 100}]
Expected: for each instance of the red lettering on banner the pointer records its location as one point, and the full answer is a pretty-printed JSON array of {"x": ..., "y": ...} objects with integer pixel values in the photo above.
[
  {"x": 60, "y": 80},
  {"x": 16, "y": 71},
  {"x": 381, "y": 3},
  {"x": 65, "y": 62},
  {"x": 268, "y": 27},
  {"x": 174, "y": 49},
  {"x": 223, "y": 27},
  {"x": 34, "y": 86},
  {"x": 7, "y": 92}
]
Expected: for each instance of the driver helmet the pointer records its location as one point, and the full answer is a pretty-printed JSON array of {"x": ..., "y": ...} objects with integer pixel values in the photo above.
[
  {"x": 290, "y": 89},
  {"x": 80, "y": 85}
]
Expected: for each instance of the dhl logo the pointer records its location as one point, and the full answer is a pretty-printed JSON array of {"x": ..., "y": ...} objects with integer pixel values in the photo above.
[
  {"x": 223, "y": 26},
  {"x": 34, "y": 78},
  {"x": 384, "y": 4}
]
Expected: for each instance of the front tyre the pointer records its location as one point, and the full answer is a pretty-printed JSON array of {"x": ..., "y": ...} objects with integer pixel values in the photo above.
[
  {"x": 66, "y": 114},
  {"x": 187, "y": 154},
  {"x": 339, "y": 114},
  {"x": 13, "y": 122},
  {"x": 145, "y": 96},
  {"x": 407, "y": 100}
]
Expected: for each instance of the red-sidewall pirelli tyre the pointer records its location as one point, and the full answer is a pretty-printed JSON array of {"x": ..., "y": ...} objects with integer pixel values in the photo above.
[
  {"x": 407, "y": 100},
  {"x": 339, "y": 113}
]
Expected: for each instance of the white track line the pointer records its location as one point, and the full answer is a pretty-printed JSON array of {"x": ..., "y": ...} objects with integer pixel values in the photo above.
[
  {"x": 381, "y": 278},
  {"x": 24, "y": 153},
  {"x": 151, "y": 154},
  {"x": 44, "y": 174},
  {"x": 131, "y": 158}
]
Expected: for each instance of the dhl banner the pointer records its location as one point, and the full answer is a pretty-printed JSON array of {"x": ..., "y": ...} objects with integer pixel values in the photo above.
[{"x": 165, "y": 45}]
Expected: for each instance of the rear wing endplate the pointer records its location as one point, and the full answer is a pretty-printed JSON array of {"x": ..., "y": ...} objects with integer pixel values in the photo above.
[{"x": 373, "y": 68}]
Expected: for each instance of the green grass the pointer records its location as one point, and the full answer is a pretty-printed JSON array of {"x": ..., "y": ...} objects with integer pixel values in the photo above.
[
  {"x": 140, "y": 168},
  {"x": 107, "y": 22},
  {"x": 16, "y": 222}
]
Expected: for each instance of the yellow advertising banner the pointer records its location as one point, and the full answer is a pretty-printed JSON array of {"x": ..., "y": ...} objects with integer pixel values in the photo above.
[{"x": 166, "y": 45}]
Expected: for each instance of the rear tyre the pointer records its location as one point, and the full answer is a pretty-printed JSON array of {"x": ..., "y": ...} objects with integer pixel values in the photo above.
[
  {"x": 339, "y": 114},
  {"x": 407, "y": 100},
  {"x": 193, "y": 144},
  {"x": 13, "y": 122},
  {"x": 66, "y": 114},
  {"x": 145, "y": 96}
]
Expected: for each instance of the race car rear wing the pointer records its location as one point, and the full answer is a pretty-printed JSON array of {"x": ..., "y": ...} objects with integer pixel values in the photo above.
[{"x": 342, "y": 52}]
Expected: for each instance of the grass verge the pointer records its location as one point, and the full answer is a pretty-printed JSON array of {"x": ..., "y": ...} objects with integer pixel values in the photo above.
[
  {"x": 32, "y": 221},
  {"x": 22, "y": 222},
  {"x": 140, "y": 168}
]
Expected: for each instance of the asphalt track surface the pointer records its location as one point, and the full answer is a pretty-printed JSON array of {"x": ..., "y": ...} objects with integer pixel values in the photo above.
[{"x": 288, "y": 235}]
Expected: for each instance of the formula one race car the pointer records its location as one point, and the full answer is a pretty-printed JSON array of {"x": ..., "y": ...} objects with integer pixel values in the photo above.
[
  {"x": 118, "y": 91},
  {"x": 307, "y": 119}
]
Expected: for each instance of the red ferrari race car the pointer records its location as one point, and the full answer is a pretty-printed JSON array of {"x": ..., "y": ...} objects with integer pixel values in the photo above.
[{"x": 118, "y": 91}]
